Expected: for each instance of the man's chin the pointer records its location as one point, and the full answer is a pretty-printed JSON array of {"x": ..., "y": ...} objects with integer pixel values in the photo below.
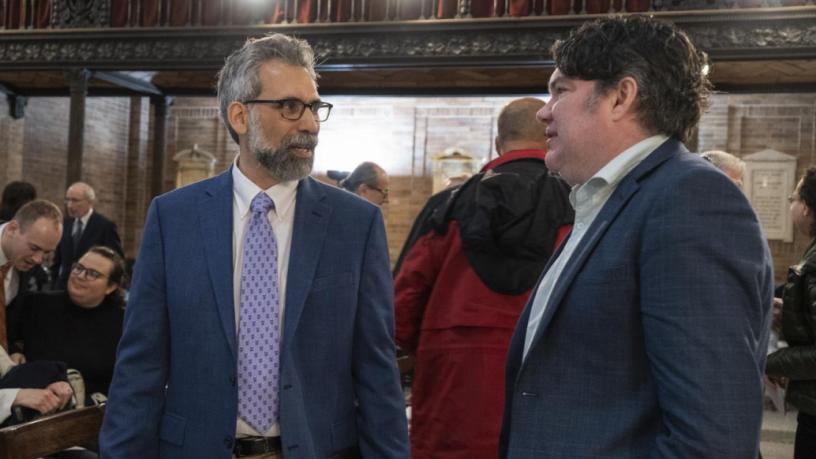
[{"x": 24, "y": 266}]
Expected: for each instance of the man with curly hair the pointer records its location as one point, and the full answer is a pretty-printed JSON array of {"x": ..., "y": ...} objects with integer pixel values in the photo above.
[{"x": 646, "y": 335}]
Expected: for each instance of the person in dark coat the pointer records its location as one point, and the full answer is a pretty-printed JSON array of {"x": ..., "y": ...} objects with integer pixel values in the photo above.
[
  {"x": 84, "y": 228},
  {"x": 463, "y": 284},
  {"x": 796, "y": 364},
  {"x": 15, "y": 194}
]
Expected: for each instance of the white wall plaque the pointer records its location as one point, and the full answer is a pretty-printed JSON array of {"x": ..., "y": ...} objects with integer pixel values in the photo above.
[{"x": 770, "y": 177}]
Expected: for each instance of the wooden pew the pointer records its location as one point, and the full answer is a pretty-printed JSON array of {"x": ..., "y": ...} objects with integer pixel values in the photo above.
[{"x": 50, "y": 434}]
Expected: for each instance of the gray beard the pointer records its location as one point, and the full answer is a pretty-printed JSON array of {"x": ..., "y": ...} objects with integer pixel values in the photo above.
[{"x": 280, "y": 163}]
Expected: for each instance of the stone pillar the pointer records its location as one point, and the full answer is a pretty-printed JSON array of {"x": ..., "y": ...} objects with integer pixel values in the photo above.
[
  {"x": 160, "y": 106},
  {"x": 78, "y": 82}
]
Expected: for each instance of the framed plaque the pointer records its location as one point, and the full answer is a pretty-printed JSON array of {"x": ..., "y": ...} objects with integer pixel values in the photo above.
[{"x": 770, "y": 177}]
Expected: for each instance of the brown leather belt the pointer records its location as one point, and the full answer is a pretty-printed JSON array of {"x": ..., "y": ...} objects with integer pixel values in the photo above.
[{"x": 253, "y": 446}]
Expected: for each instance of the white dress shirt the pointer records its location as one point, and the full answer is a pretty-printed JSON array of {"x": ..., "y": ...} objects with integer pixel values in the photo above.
[
  {"x": 282, "y": 218},
  {"x": 7, "y": 396},
  {"x": 11, "y": 281},
  {"x": 84, "y": 220},
  {"x": 588, "y": 199}
]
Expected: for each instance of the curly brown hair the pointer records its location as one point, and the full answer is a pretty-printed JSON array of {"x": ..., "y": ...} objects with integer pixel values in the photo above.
[{"x": 673, "y": 86}]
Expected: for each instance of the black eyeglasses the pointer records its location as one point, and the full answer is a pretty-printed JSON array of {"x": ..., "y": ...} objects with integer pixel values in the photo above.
[
  {"x": 293, "y": 109},
  {"x": 381, "y": 190},
  {"x": 82, "y": 271}
]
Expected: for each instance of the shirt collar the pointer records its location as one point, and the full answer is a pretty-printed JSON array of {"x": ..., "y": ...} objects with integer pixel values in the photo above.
[
  {"x": 616, "y": 169},
  {"x": 86, "y": 217},
  {"x": 283, "y": 194},
  {"x": 622, "y": 164}
]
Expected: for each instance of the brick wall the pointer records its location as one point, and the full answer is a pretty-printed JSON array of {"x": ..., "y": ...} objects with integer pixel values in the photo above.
[
  {"x": 745, "y": 124},
  {"x": 34, "y": 149},
  {"x": 11, "y": 145}
]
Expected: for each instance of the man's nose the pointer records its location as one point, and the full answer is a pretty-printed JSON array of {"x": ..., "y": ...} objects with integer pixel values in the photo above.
[
  {"x": 544, "y": 113},
  {"x": 309, "y": 123}
]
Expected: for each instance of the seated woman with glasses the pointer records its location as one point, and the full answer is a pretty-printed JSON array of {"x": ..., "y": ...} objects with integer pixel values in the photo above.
[{"x": 80, "y": 326}]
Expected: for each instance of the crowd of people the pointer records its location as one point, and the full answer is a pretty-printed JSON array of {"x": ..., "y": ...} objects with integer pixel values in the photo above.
[{"x": 594, "y": 291}]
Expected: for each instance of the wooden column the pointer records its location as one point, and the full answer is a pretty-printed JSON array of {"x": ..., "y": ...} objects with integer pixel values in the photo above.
[
  {"x": 78, "y": 82},
  {"x": 160, "y": 106}
]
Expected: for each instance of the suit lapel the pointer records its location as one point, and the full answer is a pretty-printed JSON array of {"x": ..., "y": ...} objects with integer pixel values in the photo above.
[
  {"x": 309, "y": 230},
  {"x": 215, "y": 215},
  {"x": 623, "y": 193}
]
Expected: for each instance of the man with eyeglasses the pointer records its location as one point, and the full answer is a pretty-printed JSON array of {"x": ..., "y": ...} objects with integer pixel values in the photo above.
[
  {"x": 260, "y": 319},
  {"x": 84, "y": 227},
  {"x": 368, "y": 181}
]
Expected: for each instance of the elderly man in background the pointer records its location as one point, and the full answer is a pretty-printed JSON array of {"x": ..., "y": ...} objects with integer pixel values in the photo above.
[
  {"x": 84, "y": 227},
  {"x": 731, "y": 165}
]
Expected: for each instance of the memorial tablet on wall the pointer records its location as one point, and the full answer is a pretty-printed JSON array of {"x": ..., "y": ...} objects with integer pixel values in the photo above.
[{"x": 770, "y": 176}]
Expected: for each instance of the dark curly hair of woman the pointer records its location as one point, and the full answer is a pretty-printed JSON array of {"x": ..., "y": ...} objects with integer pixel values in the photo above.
[{"x": 807, "y": 194}]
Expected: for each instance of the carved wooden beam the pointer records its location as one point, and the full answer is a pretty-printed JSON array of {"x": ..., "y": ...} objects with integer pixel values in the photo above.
[{"x": 783, "y": 33}]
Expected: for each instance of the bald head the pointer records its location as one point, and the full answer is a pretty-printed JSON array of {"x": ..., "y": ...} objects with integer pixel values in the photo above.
[
  {"x": 518, "y": 127},
  {"x": 79, "y": 199}
]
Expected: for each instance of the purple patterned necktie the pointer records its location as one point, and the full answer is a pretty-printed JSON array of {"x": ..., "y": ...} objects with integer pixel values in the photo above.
[{"x": 259, "y": 330}]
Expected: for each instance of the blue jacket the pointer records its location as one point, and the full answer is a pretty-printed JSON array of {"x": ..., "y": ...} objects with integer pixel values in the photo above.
[
  {"x": 174, "y": 391},
  {"x": 653, "y": 342}
]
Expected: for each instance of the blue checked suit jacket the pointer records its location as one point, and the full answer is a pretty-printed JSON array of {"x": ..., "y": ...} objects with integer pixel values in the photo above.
[
  {"x": 653, "y": 342},
  {"x": 174, "y": 389}
]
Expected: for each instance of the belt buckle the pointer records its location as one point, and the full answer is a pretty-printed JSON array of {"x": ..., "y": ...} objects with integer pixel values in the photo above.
[{"x": 251, "y": 446}]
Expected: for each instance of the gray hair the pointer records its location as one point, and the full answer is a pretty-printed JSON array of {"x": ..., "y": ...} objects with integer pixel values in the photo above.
[
  {"x": 89, "y": 193},
  {"x": 366, "y": 173},
  {"x": 725, "y": 162},
  {"x": 239, "y": 80}
]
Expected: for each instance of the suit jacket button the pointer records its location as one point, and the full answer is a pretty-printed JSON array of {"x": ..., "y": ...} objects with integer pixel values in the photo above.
[
  {"x": 232, "y": 381},
  {"x": 228, "y": 442}
]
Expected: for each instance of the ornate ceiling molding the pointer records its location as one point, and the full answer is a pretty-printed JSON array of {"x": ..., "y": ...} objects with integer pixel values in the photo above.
[
  {"x": 80, "y": 13},
  {"x": 739, "y": 34}
]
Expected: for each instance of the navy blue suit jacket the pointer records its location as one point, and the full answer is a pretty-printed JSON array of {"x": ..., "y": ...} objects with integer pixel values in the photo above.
[
  {"x": 174, "y": 391},
  {"x": 653, "y": 342}
]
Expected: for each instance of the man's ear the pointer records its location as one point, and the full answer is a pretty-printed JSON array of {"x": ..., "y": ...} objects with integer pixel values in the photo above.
[
  {"x": 238, "y": 117},
  {"x": 13, "y": 226},
  {"x": 625, "y": 100}
]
